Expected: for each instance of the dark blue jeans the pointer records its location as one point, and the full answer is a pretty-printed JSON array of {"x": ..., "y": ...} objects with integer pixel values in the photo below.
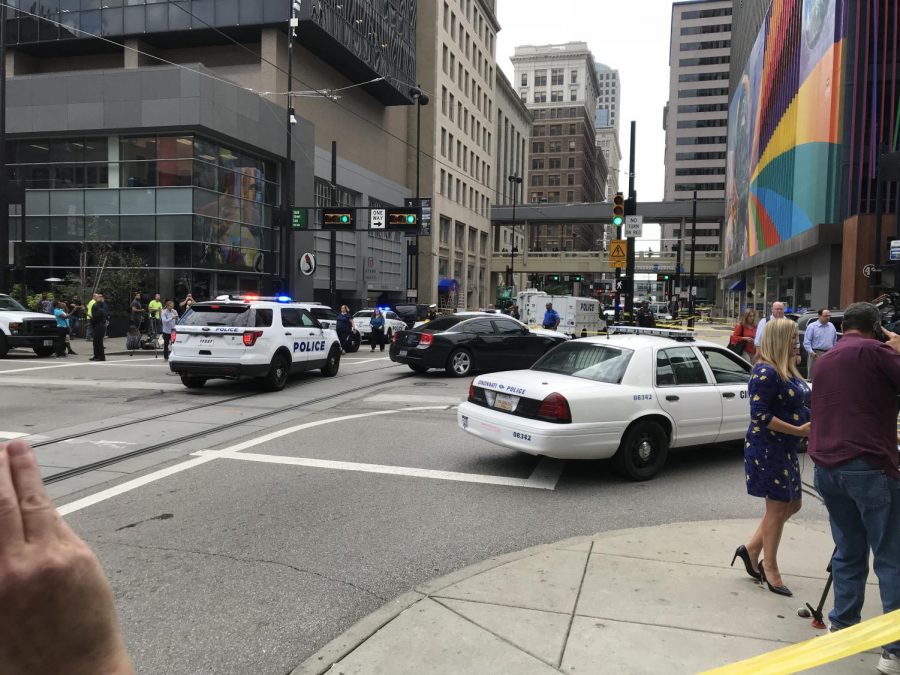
[{"x": 864, "y": 509}]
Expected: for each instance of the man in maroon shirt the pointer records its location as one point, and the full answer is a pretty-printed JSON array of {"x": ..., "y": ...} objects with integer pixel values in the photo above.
[{"x": 853, "y": 442}]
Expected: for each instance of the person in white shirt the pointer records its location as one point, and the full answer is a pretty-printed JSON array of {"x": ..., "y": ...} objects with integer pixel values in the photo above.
[
  {"x": 820, "y": 336},
  {"x": 777, "y": 313}
]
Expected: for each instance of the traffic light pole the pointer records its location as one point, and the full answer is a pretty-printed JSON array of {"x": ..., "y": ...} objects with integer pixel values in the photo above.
[{"x": 630, "y": 210}]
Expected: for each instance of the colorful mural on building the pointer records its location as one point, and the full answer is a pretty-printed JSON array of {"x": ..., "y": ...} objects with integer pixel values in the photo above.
[{"x": 784, "y": 128}]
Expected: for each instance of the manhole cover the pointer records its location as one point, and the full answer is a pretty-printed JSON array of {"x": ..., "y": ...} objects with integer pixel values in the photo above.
[{"x": 429, "y": 384}]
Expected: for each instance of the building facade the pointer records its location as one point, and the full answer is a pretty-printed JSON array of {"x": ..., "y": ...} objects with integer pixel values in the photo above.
[
  {"x": 169, "y": 142},
  {"x": 456, "y": 65},
  {"x": 606, "y": 126},
  {"x": 513, "y": 130},
  {"x": 558, "y": 83},
  {"x": 696, "y": 119},
  {"x": 806, "y": 124}
]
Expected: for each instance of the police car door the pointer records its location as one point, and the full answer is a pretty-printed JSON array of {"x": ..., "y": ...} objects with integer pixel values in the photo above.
[
  {"x": 684, "y": 391},
  {"x": 732, "y": 374},
  {"x": 294, "y": 335},
  {"x": 316, "y": 345}
]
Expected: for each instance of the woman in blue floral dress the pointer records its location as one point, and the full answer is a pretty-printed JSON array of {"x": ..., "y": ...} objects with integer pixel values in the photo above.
[{"x": 779, "y": 418}]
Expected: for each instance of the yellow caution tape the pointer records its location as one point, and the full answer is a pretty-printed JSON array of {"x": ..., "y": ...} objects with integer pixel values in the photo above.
[{"x": 820, "y": 650}]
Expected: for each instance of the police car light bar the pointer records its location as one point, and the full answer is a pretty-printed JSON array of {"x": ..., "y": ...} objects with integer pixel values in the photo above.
[
  {"x": 680, "y": 335},
  {"x": 255, "y": 298}
]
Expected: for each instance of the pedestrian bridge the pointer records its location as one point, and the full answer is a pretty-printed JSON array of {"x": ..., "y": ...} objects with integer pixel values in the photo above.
[{"x": 596, "y": 262}]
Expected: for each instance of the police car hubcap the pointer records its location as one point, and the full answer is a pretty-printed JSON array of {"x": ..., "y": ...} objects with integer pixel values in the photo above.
[{"x": 645, "y": 450}]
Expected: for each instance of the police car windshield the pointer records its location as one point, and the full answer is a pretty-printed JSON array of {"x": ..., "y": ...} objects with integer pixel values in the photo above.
[
  {"x": 235, "y": 316},
  {"x": 443, "y": 323},
  {"x": 591, "y": 361},
  {"x": 8, "y": 304}
]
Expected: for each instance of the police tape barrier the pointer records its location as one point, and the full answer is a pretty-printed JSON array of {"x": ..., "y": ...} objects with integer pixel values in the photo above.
[{"x": 820, "y": 650}]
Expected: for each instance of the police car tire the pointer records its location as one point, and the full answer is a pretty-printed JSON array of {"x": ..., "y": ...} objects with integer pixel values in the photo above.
[
  {"x": 4, "y": 348},
  {"x": 192, "y": 382},
  {"x": 41, "y": 351},
  {"x": 333, "y": 364},
  {"x": 459, "y": 363},
  {"x": 353, "y": 343},
  {"x": 279, "y": 371},
  {"x": 643, "y": 451}
]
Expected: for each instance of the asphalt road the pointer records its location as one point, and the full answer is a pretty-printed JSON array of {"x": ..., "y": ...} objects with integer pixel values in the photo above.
[{"x": 249, "y": 561}]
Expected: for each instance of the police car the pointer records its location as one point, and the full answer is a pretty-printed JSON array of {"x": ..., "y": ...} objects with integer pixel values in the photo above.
[
  {"x": 363, "y": 322},
  {"x": 630, "y": 396},
  {"x": 251, "y": 337}
]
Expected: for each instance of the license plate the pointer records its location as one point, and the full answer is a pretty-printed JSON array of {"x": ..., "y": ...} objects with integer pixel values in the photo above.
[
  {"x": 206, "y": 341},
  {"x": 48, "y": 343},
  {"x": 402, "y": 352},
  {"x": 506, "y": 402}
]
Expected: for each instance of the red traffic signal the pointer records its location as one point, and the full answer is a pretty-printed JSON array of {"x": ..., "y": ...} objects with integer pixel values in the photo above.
[{"x": 618, "y": 209}]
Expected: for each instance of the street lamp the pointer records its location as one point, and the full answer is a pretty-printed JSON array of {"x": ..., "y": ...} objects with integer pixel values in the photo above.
[
  {"x": 515, "y": 180},
  {"x": 421, "y": 99}
]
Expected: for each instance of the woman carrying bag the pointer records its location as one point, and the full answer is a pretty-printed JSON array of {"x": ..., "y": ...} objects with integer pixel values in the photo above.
[{"x": 741, "y": 342}]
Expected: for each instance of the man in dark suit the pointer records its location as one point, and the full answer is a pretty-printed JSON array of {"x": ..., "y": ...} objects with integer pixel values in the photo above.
[{"x": 98, "y": 324}]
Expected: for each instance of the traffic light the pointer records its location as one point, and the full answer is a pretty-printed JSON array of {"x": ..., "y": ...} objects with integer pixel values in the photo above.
[
  {"x": 337, "y": 219},
  {"x": 662, "y": 277},
  {"x": 404, "y": 219},
  {"x": 618, "y": 209},
  {"x": 576, "y": 277},
  {"x": 554, "y": 277}
]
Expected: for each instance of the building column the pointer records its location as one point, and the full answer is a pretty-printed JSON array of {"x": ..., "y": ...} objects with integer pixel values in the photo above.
[{"x": 132, "y": 59}]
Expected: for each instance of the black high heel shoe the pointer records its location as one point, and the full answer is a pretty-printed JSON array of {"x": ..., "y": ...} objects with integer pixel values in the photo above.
[
  {"x": 777, "y": 590},
  {"x": 742, "y": 553}
]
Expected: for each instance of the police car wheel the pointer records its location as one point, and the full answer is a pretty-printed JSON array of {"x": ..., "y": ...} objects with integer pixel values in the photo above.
[
  {"x": 192, "y": 382},
  {"x": 333, "y": 363},
  {"x": 353, "y": 343},
  {"x": 42, "y": 351},
  {"x": 279, "y": 370},
  {"x": 460, "y": 363},
  {"x": 4, "y": 348},
  {"x": 643, "y": 451}
]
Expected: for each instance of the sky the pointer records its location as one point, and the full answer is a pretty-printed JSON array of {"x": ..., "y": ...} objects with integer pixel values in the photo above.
[{"x": 631, "y": 36}]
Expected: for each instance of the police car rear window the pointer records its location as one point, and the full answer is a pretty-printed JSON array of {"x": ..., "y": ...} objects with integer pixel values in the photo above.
[
  {"x": 601, "y": 363},
  {"x": 323, "y": 312},
  {"x": 235, "y": 316}
]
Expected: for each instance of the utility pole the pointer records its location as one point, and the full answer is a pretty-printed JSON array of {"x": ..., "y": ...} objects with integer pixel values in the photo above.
[
  {"x": 630, "y": 210},
  {"x": 332, "y": 255},
  {"x": 5, "y": 282},
  {"x": 680, "y": 246},
  {"x": 288, "y": 191},
  {"x": 693, "y": 254}
]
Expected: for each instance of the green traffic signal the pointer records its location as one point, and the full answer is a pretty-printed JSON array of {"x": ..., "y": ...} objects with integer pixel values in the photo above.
[
  {"x": 345, "y": 219},
  {"x": 410, "y": 219},
  {"x": 618, "y": 220}
]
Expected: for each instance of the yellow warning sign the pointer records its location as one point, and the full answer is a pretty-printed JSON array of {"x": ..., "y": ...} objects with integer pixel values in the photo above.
[{"x": 618, "y": 252}]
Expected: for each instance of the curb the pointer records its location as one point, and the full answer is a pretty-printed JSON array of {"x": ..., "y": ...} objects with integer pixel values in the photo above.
[{"x": 336, "y": 650}]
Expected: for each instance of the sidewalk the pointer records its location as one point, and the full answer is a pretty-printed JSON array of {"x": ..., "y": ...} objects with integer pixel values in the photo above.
[
  {"x": 650, "y": 600},
  {"x": 114, "y": 347}
]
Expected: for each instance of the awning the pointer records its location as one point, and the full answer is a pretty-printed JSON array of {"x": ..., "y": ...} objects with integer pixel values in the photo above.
[
  {"x": 448, "y": 286},
  {"x": 739, "y": 285}
]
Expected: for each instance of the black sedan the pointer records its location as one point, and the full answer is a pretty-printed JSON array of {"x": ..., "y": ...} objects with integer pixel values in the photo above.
[{"x": 463, "y": 344}]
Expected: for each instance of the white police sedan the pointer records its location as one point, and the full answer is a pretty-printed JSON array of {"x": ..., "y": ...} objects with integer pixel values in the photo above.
[{"x": 631, "y": 396}]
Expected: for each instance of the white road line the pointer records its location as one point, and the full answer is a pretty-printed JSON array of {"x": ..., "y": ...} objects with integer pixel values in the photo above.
[
  {"x": 11, "y": 435},
  {"x": 97, "y": 384},
  {"x": 415, "y": 398},
  {"x": 372, "y": 468},
  {"x": 79, "y": 504},
  {"x": 69, "y": 365},
  {"x": 357, "y": 362},
  {"x": 546, "y": 474},
  {"x": 211, "y": 455}
]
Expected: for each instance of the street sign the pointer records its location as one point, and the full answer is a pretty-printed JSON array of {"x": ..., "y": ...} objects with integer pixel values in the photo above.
[
  {"x": 868, "y": 270},
  {"x": 694, "y": 290},
  {"x": 619, "y": 285},
  {"x": 377, "y": 219},
  {"x": 634, "y": 226},
  {"x": 298, "y": 219},
  {"x": 412, "y": 293},
  {"x": 618, "y": 252},
  {"x": 895, "y": 250}
]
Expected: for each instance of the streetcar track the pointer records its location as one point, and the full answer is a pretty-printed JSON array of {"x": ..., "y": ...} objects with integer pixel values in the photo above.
[{"x": 100, "y": 464}]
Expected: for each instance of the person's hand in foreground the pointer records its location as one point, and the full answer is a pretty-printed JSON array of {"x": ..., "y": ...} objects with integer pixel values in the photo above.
[{"x": 56, "y": 606}]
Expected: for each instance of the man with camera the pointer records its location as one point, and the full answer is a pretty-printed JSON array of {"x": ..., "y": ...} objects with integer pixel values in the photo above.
[{"x": 853, "y": 443}]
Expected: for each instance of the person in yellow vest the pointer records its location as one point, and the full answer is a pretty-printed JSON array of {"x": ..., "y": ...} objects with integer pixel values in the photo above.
[
  {"x": 89, "y": 326},
  {"x": 154, "y": 307}
]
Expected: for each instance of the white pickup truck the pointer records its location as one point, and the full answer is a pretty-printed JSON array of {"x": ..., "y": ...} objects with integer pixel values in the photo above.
[{"x": 21, "y": 328}]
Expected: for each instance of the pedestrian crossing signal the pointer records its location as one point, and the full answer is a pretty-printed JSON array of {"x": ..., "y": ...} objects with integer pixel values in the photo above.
[
  {"x": 337, "y": 219},
  {"x": 404, "y": 219},
  {"x": 618, "y": 209}
]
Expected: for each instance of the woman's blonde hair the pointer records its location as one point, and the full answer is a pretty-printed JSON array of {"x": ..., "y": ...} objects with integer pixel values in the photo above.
[
  {"x": 777, "y": 347},
  {"x": 747, "y": 313}
]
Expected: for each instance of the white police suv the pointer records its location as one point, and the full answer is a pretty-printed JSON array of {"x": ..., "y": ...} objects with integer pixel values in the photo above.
[
  {"x": 251, "y": 337},
  {"x": 629, "y": 396}
]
